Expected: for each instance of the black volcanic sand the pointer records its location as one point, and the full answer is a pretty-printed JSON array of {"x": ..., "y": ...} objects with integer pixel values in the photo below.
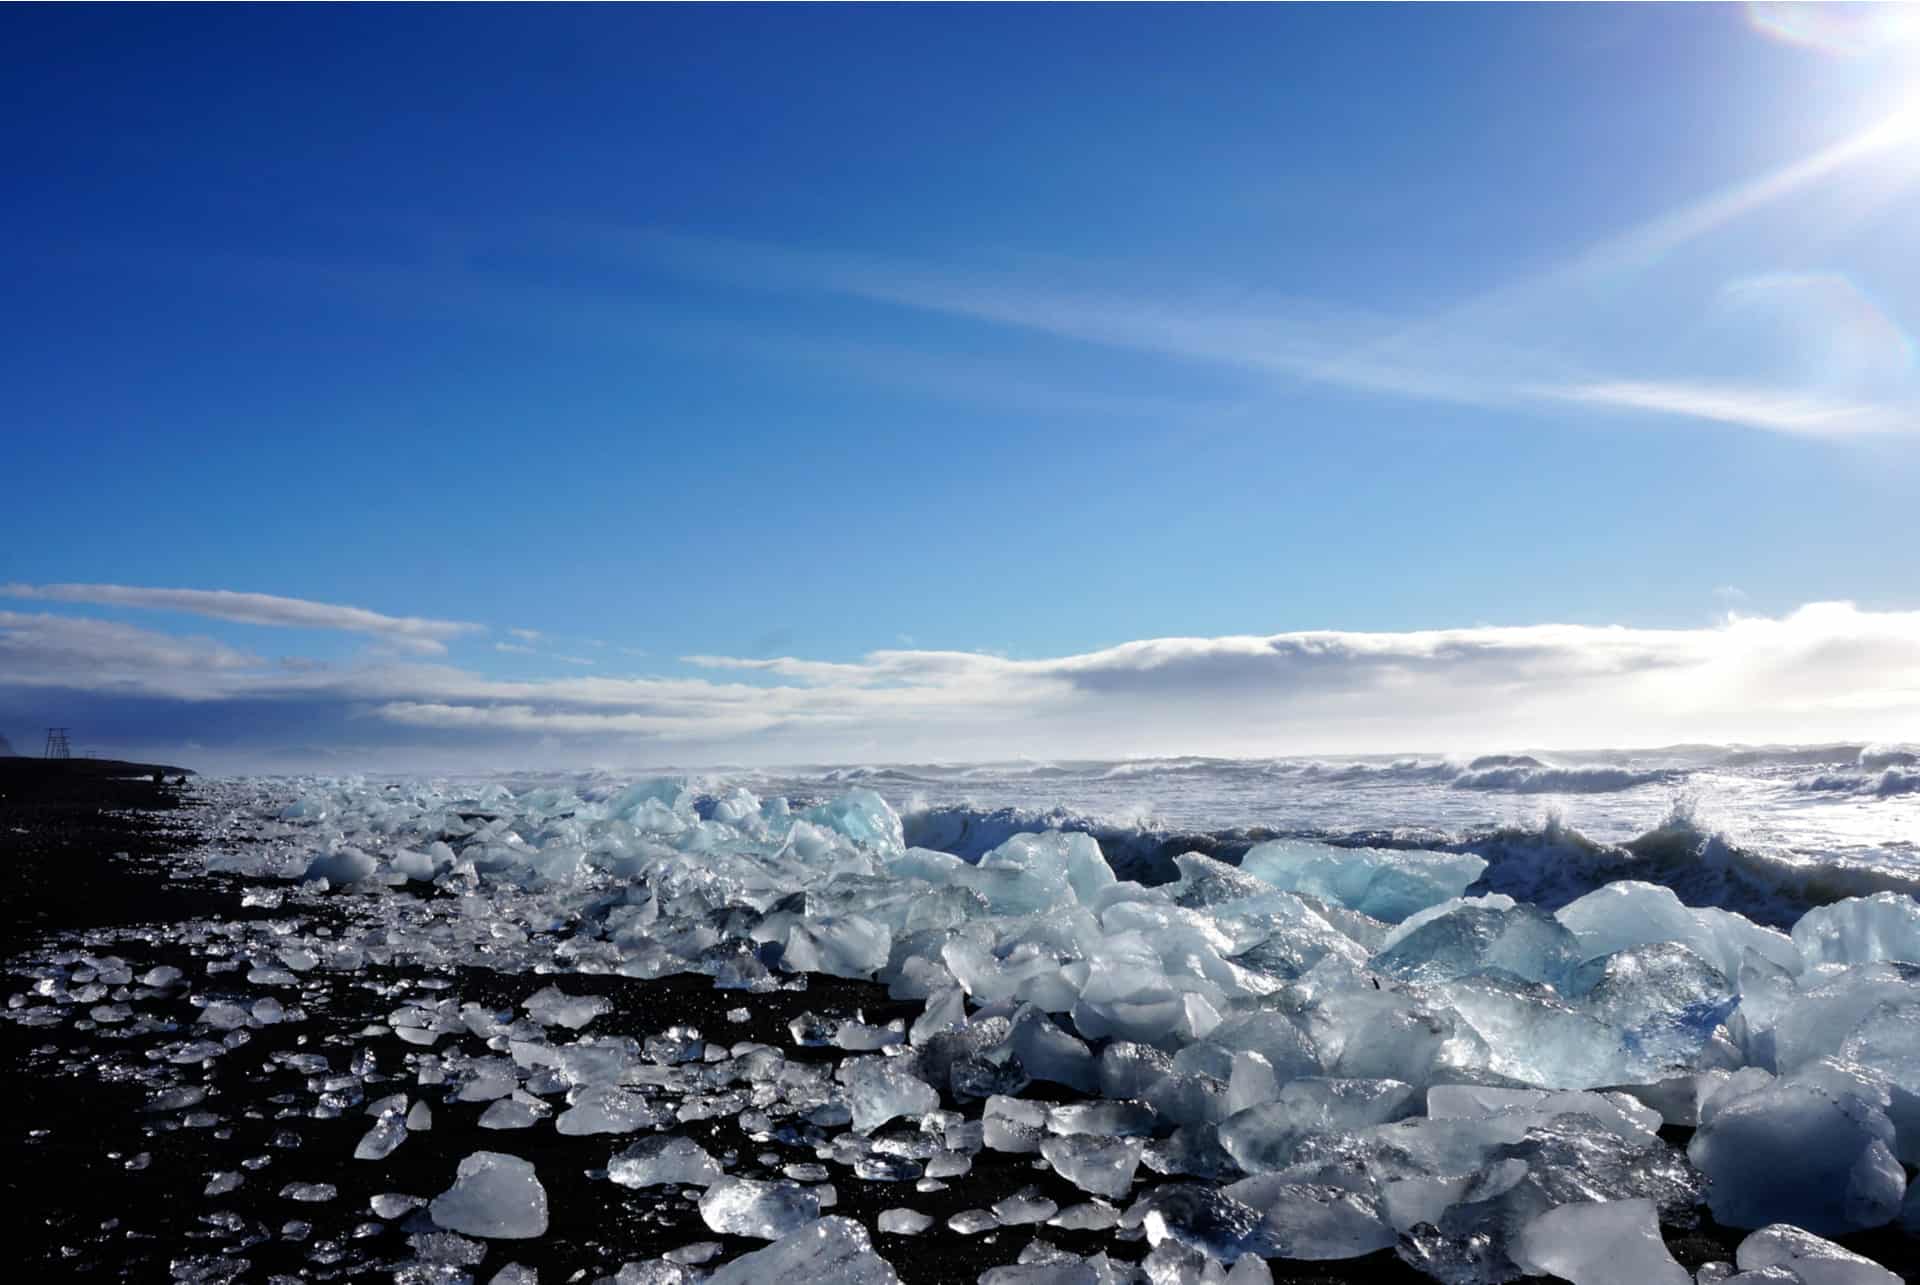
[{"x": 100, "y": 1183}]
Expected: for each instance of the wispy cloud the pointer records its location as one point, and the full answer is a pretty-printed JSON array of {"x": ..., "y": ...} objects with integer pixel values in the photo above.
[
  {"x": 1517, "y": 344},
  {"x": 1774, "y": 409},
  {"x": 415, "y": 634}
]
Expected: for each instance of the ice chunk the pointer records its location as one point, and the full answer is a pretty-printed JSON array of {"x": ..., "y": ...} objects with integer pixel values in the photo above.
[
  {"x": 838, "y": 945},
  {"x": 763, "y": 1210},
  {"x": 1315, "y": 1220},
  {"x": 1470, "y": 938},
  {"x": 495, "y": 1196},
  {"x": 1013, "y": 1124},
  {"x": 1387, "y": 885},
  {"x": 830, "y": 1249},
  {"x": 903, "y": 1222},
  {"x": 1289, "y": 1051},
  {"x": 1103, "y": 1166},
  {"x": 1861, "y": 930},
  {"x": 551, "y": 1006},
  {"x": 1107, "y": 1118},
  {"x": 1609, "y": 1242},
  {"x": 1092, "y": 1215},
  {"x": 1024, "y": 1206},
  {"x": 600, "y": 1109},
  {"x": 1264, "y": 1138},
  {"x": 1531, "y": 1035},
  {"x": 1619, "y": 1112},
  {"x": 664, "y": 1159},
  {"x": 1632, "y": 913},
  {"x": 512, "y": 1113},
  {"x": 346, "y": 866},
  {"x": 864, "y": 817},
  {"x": 1048, "y": 1053},
  {"x": 392, "y": 1204},
  {"x": 381, "y": 1140},
  {"x": 1814, "y": 1260},
  {"x": 1199, "y": 1217},
  {"x": 309, "y": 1192},
  {"x": 882, "y": 1088},
  {"x": 1666, "y": 999},
  {"x": 1795, "y": 1151},
  {"x": 1825, "y": 1013},
  {"x": 971, "y": 1222},
  {"x": 1054, "y": 858},
  {"x": 1250, "y": 1082},
  {"x": 946, "y": 1010}
]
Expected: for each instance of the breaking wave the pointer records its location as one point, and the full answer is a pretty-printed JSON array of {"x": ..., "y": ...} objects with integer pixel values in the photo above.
[
  {"x": 1881, "y": 785},
  {"x": 1538, "y": 778}
]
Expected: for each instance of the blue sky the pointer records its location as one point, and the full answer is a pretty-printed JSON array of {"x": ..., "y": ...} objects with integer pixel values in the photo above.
[{"x": 799, "y": 334}]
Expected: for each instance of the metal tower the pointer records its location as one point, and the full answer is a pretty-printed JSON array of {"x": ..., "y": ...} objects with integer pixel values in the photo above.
[{"x": 57, "y": 743}]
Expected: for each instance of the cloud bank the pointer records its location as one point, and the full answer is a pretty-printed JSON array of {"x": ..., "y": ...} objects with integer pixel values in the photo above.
[{"x": 1827, "y": 670}]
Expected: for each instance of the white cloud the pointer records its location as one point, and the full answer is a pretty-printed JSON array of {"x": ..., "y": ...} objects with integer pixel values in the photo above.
[
  {"x": 515, "y": 648},
  {"x": 413, "y": 634},
  {"x": 1828, "y": 670}
]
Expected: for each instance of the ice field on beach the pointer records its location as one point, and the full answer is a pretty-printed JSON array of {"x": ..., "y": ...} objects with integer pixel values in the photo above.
[{"x": 1318, "y": 1052}]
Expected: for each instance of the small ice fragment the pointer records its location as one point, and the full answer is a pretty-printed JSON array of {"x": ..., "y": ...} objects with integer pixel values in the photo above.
[
  {"x": 882, "y": 1088},
  {"x": 830, "y": 1249},
  {"x": 675, "y": 1045},
  {"x": 553, "y": 1007},
  {"x": 392, "y": 1204},
  {"x": 904, "y": 1222},
  {"x": 602, "y": 1109},
  {"x": 764, "y": 1210},
  {"x": 387, "y": 1133},
  {"x": 738, "y": 1015},
  {"x": 1091, "y": 1215},
  {"x": 1603, "y": 1242},
  {"x": 508, "y": 1113},
  {"x": 309, "y": 1192},
  {"x": 1024, "y": 1206},
  {"x": 1013, "y": 1124},
  {"x": 494, "y": 1195},
  {"x": 1103, "y": 1166},
  {"x": 220, "y": 1182},
  {"x": 971, "y": 1222},
  {"x": 341, "y": 868},
  {"x": 661, "y": 1159},
  {"x": 1814, "y": 1260}
]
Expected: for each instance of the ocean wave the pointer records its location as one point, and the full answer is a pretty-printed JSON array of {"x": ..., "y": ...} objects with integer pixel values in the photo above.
[
  {"x": 1876, "y": 757},
  {"x": 1397, "y": 772},
  {"x": 1880, "y": 785},
  {"x": 1795, "y": 756},
  {"x": 1541, "y": 779},
  {"x": 1487, "y": 762}
]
